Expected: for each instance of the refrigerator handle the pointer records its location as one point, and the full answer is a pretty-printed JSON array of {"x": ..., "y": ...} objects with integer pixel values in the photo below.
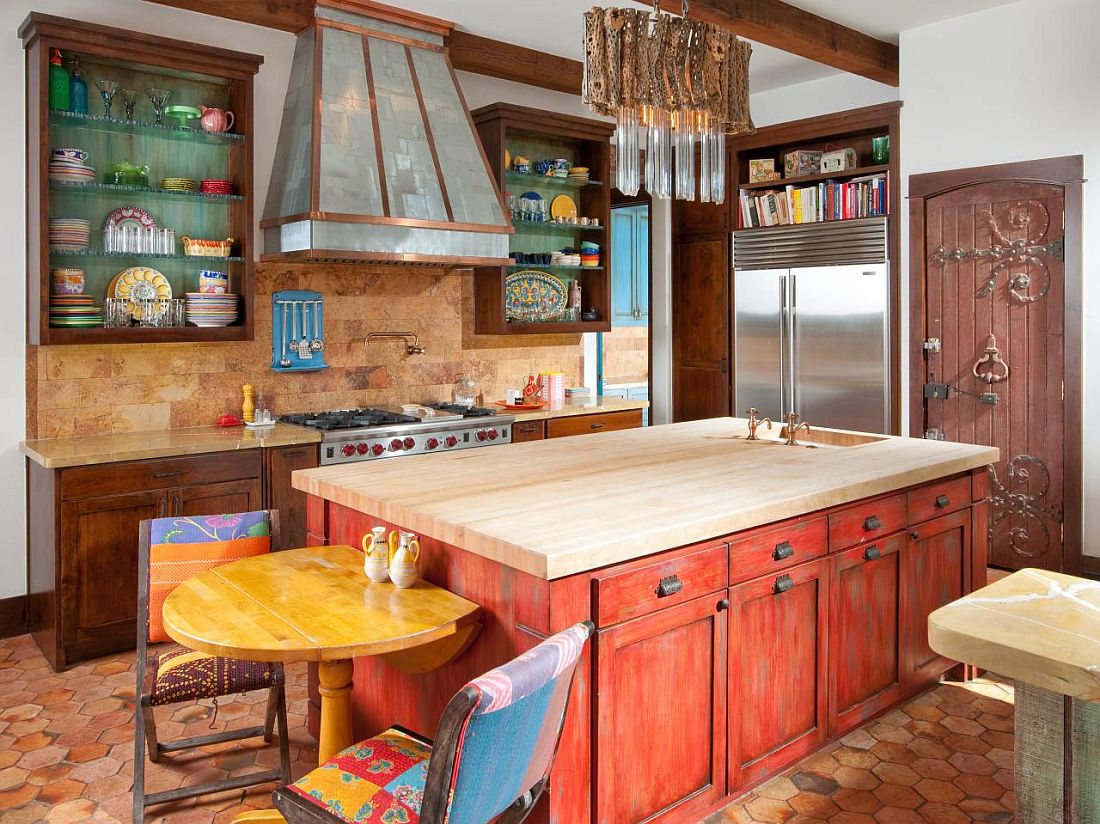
[
  {"x": 792, "y": 338},
  {"x": 784, "y": 347}
]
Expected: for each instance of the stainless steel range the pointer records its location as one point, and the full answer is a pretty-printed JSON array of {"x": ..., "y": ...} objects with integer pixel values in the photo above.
[{"x": 350, "y": 435}]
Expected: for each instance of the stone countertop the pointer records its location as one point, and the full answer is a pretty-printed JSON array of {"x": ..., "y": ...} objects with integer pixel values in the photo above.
[
  {"x": 562, "y": 506},
  {"x": 1035, "y": 626},
  {"x": 59, "y": 453},
  {"x": 578, "y": 406}
]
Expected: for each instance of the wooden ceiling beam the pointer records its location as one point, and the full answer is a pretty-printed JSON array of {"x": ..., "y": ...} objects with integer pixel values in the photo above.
[
  {"x": 285, "y": 15},
  {"x": 506, "y": 61},
  {"x": 783, "y": 26}
]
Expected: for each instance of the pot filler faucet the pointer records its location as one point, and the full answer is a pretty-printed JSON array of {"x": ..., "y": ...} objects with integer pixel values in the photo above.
[{"x": 413, "y": 348}]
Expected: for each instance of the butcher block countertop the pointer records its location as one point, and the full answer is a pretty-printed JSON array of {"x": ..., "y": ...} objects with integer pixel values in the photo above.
[
  {"x": 579, "y": 406},
  {"x": 563, "y": 506},
  {"x": 59, "y": 453}
]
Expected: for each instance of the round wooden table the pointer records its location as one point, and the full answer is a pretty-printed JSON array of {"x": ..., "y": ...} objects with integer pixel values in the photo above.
[{"x": 315, "y": 604}]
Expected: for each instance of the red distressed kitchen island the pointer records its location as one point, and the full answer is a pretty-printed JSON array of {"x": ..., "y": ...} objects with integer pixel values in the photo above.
[{"x": 753, "y": 600}]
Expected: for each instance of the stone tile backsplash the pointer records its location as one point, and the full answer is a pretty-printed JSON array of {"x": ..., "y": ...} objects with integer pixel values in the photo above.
[{"x": 94, "y": 390}]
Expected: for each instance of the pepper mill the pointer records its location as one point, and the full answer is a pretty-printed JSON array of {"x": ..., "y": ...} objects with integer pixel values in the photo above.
[{"x": 248, "y": 408}]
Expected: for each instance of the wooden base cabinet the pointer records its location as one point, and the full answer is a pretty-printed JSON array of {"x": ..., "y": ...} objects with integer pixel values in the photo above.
[
  {"x": 778, "y": 679},
  {"x": 660, "y": 702}
]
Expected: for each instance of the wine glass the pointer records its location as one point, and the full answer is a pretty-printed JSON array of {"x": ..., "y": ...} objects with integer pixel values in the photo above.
[
  {"x": 159, "y": 98},
  {"x": 129, "y": 101},
  {"x": 107, "y": 90}
]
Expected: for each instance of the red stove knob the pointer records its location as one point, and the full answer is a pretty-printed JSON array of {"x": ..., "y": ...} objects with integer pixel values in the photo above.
[
  {"x": 378, "y": 449},
  {"x": 409, "y": 443},
  {"x": 348, "y": 449},
  {"x": 492, "y": 434},
  {"x": 482, "y": 434},
  {"x": 451, "y": 440},
  {"x": 432, "y": 443},
  {"x": 395, "y": 445},
  {"x": 362, "y": 449}
]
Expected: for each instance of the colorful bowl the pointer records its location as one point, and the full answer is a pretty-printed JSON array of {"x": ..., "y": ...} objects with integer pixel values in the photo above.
[
  {"x": 67, "y": 281},
  {"x": 70, "y": 154}
]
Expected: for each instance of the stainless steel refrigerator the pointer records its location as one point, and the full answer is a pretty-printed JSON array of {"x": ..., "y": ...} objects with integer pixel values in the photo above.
[{"x": 811, "y": 324}]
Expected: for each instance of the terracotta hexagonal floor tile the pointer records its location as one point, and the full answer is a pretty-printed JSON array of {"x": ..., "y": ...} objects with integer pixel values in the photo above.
[
  {"x": 1006, "y": 778},
  {"x": 98, "y": 768},
  {"x": 968, "y": 743},
  {"x": 850, "y": 817},
  {"x": 858, "y": 759},
  {"x": 923, "y": 712},
  {"x": 33, "y": 741},
  {"x": 940, "y": 791},
  {"x": 116, "y": 735},
  {"x": 111, "y": 668},
  {"x": 820, "y": 762},
  {"x": 70, "y": 812},
  {"x": 894, "y": 753},
  {"x": 981, "y": 808},
  {"x": 45, "y": 775},
  {"x": 57, "y": 792},
  {"x": 54, "y": 696},
  {"x": 890, "y": 732},
  {"x": 33, "y": 813},
  {"x": 8, "y": 757},
  {"x": 769, "y": 810},
  {"x": 979, "y": 786},
  {"x": 779, "y": 788},
  {"x": 1001, "y": 740},
  {"x": 12, "y": 777},
  {"x": 856, "y": 801},
  {"x": 957, "y": 710},
  {"x": 889, "y": 773},
  {"x": 963, "y": 726},
  {"x": 994, "y": 706},
  {"x": 896, "y": 795},
  {"x": 813, "y": 805},
  {"x": 969, "y": 762},
  {"x": 814, "y": 782},
  {"x": 928, "y": 748},
  {"x": 17, "y": 796},
  {"x": 107, "y": 720},
  {"x": 859, "y": 740},
  {"x": 937, "y": 813},
  {"x": 933, "y": 768},
  {"x": 927, "y": 729},
  {"x": 101, "y": 706},
  {"x": 19, "y": 728},
  {"x": 1002, "y": 758},
  {"x": 103, "y": 788},
  {"x": 86, "y": 752},
  {"x": 999, "y": 723},
  {"x": 43, "y": 757},
  {"x": 895, "y": 815},
  {"x": 856, "y": 778}
]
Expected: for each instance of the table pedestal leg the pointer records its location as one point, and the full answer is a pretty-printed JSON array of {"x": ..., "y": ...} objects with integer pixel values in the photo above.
[
  {"x": 1057, "y": 748},
  {"x": 335, "y": 688}
]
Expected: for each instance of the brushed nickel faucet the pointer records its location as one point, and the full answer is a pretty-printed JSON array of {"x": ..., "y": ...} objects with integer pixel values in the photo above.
[
  {"x": 755, "y": 422},
  {"x": 793, "y": 427}
]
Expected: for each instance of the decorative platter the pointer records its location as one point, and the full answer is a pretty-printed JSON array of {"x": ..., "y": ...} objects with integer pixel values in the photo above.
[
  {"x": 520, "y": 407},
  {"x": 531, "y": 289},
  {"x": 139, "y": 283},
  {"x": 563, "y": 206},
  {"x": 130, "y": 215}
]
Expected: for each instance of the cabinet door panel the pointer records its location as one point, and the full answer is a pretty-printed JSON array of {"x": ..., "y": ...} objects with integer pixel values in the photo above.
[
  {"x": 660, "y": 748},
  {"x": 290, "y": 503},
  {"x": 98, "y": 547},
  {"x": 935, "y": 572},
  {"x": 778, "y": 675},
  {"x": 865, "y": 632},
  {"x": 217, "y": 499}
]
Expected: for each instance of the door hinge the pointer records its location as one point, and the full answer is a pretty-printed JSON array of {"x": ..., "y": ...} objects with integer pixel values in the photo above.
[
  {"x": 934, "y": 435},
  {"x": 1057, "y": 249},
  {"x": 933, "y": 345}
]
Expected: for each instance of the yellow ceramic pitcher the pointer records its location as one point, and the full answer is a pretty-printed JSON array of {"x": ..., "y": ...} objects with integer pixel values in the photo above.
[{"x": 376, "y": 560}]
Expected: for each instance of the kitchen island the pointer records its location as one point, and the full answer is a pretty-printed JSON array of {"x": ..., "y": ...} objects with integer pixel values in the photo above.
[{"x": 753, "y": 600}]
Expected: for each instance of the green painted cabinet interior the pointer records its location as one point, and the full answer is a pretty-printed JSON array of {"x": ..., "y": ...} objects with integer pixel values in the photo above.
[{"x": 630, "y": 266}]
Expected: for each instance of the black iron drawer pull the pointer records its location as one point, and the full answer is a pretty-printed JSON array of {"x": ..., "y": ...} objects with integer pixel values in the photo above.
[
  {"x": 942, "y": 502},
  {"x": 171, "y": 474},
  {"x": 783, "y": 583},
  {"x": 872, "y": 553},
  {"x": 871, "y": 523},
  {"x": 724, "y": 604},
  {"x": 597, "y": 426},
  {"x": 669, "y": 586},
  {"x": 783, "y": 551}
]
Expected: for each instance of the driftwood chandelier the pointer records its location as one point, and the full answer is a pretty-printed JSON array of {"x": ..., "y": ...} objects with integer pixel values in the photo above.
[{"x": 671, "y": 83}]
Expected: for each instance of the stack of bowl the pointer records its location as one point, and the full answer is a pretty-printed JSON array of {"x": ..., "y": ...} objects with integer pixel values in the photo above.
[
  {"x": 208, "y": 309},
  {"x": 69, "y": 306},
  {"x": 67, "y": 166},
  {"x": 590, "y": 254}
]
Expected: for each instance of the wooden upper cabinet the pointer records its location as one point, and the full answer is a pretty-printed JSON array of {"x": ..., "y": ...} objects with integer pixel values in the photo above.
[
  {"x": 864, "y": 632},
  {"x": 778, "y": 678},
  {"x": 660, "y": 702}
]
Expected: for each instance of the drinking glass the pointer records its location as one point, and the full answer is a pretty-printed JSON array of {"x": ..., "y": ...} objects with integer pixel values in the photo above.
[
  {"x": 159, "y": 99},
  {"x": 129, "y": 101},
  {"x": 107, "y": 90}
]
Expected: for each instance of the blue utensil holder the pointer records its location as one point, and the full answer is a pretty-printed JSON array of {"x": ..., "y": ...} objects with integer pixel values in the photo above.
[{"x": 297, "y": 315}]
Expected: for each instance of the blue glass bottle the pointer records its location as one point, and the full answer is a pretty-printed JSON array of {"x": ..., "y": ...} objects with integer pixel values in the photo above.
[{"x": 78, "y": 90}]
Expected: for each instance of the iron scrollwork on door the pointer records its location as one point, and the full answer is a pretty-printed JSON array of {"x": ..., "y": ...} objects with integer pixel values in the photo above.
[
  {"x": 1014, "y": 258},
  {"x": 1020, "y": 498}
]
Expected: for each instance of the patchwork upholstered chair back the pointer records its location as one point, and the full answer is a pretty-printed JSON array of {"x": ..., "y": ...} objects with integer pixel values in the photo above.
[
  {"x": 498, "y": 736},
  {"x": 183, "y": 546}
]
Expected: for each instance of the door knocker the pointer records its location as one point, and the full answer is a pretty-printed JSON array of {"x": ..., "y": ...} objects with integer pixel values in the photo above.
[{"x": 990, "y": 363}]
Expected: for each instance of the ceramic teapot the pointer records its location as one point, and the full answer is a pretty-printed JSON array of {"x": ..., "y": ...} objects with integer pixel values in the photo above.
[
  {"x": 216, "y": 120},
  {"x": 376, "y": 555}
]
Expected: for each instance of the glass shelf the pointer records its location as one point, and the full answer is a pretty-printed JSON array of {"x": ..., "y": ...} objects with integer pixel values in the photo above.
[
  {"x": 91, "y": 188},
  {"x": 110, "y": 125},
  {"x": 527, "y": 227},
  {"x": 549, "y": 267},
  {"x": 91, "y": 253},
  {"x": 547, "y": 180}
]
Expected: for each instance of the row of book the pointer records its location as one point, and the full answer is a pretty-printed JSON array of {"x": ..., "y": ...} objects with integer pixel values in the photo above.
[{"x": 828, "y": 200}]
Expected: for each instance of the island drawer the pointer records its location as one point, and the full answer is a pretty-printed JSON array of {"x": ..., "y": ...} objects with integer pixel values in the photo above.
[
  {"x": 646, "y": 589},
  {"x": 866, "y": 522},
  {"x": 591, "y": 424},
  {"x": 777, "y": 549},
  {"x": 939, "y": 498}
]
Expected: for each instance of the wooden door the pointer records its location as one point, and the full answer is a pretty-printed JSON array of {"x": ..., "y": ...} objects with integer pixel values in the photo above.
[
  {"x": 995, "y": 256},
  {"x": 290, "y": 502},
  {"x": 660, "y": 742},
  {"x": 864, "y": 632},
  {"x": 935, "y": 571},
  {"x": 212, "y": 499},
  {"x": 98, "y": 548},
  {"x": 778, "y": 679},
  {"x": 701, "y": 328}
]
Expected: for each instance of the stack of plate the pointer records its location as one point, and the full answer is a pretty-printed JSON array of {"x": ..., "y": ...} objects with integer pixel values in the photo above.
[
  {"x": 74, "y": 311},
  {"x": 205, "y": 309},
  {"x": 578, "y": 173},
  {"x": 216, "y": 186},
  {"x": 69, "y": 233},
  {"x": 178, "y": 184},
  {"x": 67, "y": 166}
]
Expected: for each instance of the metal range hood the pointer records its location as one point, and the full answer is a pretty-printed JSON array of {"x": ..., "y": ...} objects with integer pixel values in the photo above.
[{"x": 377, "y": 159}]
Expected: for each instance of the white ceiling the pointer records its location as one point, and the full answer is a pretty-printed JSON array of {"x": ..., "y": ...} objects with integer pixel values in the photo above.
[{"x": 557, "y": 26}]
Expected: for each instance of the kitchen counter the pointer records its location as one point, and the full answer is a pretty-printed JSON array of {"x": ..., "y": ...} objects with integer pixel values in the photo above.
[
  {"x": 559, "y": 507},
  {"x": 134, "y": 446},
  {"x": 579, "y": 406}
]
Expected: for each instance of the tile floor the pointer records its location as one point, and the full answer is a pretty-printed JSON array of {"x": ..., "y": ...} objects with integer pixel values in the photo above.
[{"x": 66, "y": 754}]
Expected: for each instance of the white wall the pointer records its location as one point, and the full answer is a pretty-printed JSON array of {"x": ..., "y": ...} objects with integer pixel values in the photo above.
[
  {"x": 825, "y": 95},
  {"x": 1013, "y": 83}
]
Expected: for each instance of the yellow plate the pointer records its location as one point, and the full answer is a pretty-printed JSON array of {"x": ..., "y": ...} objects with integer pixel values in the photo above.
[
  {"x": 507, "y": 159},
  {"x": 139, "y": 282},
  {"x": 563, "y": 206}
]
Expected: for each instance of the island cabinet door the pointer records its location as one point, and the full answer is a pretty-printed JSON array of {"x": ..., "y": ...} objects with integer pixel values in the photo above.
[
  {"x": 660, "y": 703},
  {"x": 778, "y": 685},
  {"x": 935, "y": 571},
  {"x": 864, "y": 632}
]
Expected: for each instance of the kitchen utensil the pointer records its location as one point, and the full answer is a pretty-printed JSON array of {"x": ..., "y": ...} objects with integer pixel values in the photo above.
[
  {"x": 284, "y": 361},
  {"x": 294, "y": 327},
  {"x": 465, "y": 391},
  {"x": 317, "y": 344},
  {"x": 563, "y": 206},
  {"x": 107, "y": 90},
  {"x": 216, "y": 120},
  {"x": 199, "y": 247},
  {"x": 304, "y": 350}
]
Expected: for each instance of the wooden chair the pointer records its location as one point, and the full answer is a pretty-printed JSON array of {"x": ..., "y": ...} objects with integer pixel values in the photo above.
[
  {"x": 495, "y": 745},
  {"x": 171, "y": 550}
]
